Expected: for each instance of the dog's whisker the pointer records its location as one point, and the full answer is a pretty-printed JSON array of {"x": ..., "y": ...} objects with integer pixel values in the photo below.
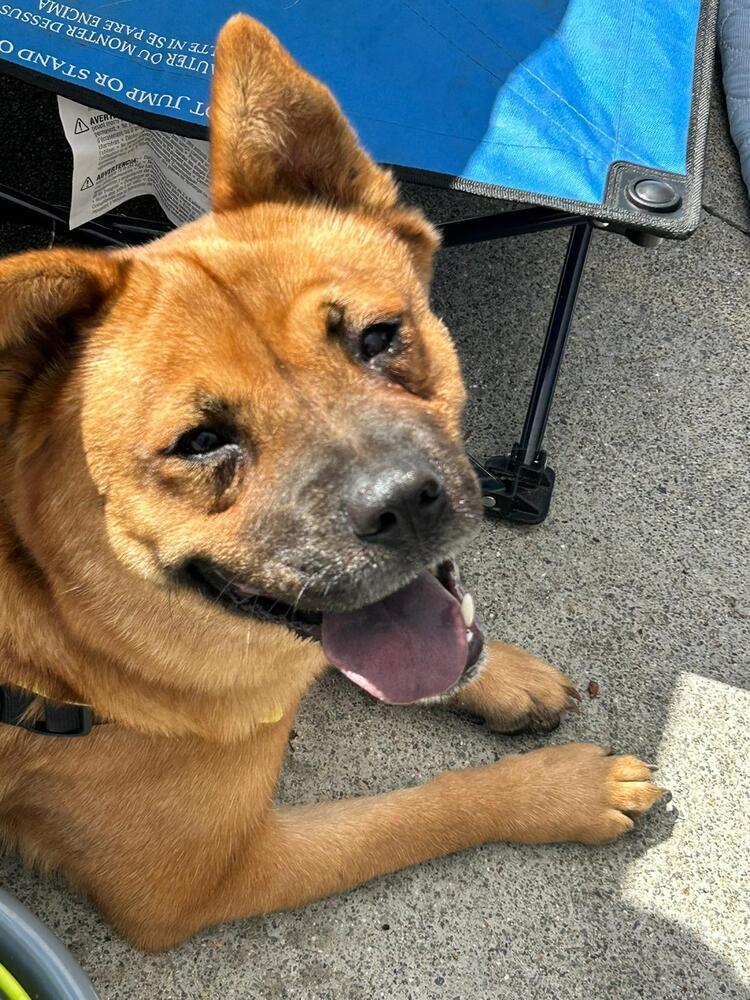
[
  {"x": 480, "y": 466},
  {"x": 302, "y": 590}
]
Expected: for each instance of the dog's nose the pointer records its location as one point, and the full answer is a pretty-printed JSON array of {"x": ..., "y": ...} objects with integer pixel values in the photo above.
[{"x": 396, "y": 505}]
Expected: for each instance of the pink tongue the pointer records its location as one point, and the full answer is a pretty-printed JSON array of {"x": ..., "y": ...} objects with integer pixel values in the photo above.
[{"x": 409, "y": 646}]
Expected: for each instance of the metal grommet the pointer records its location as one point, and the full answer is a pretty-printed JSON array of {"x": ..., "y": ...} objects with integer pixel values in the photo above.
[
  {"x": 488, "y": 501},
  {"x": 654, "y": 195}
]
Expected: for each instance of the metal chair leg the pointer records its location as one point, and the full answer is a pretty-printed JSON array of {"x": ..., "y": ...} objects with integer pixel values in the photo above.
[{"x": 518, "y": 487}]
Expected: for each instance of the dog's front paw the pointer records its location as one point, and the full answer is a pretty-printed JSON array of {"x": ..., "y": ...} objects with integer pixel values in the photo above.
[
  {"x": 578, "y": 792},
  {"x": 515, "y": 692}
]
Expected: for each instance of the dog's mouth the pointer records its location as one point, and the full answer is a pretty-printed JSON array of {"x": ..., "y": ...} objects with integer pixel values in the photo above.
[{"x": 420, "y": 642}]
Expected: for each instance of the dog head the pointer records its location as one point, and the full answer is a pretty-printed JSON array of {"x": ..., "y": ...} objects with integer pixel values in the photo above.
[{"x": 266, "y": 408}]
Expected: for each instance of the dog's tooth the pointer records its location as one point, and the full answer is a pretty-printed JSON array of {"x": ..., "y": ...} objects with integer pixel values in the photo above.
[
  {"x": 467, "y": 610},
  {"x": 469, "y": 635}
]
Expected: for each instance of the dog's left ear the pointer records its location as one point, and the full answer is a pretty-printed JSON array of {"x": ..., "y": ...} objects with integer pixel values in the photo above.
[{"x": 277, "y": 134}]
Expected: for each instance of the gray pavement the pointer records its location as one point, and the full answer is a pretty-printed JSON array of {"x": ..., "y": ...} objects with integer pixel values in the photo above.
[{"x": 638, "y": 580}]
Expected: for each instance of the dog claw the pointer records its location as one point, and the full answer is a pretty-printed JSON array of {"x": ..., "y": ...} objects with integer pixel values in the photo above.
[{"x": 671, "y": 812}]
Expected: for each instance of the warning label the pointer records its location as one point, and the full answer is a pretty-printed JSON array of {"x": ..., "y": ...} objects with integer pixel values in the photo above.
[{"x": 114, "y": 160}]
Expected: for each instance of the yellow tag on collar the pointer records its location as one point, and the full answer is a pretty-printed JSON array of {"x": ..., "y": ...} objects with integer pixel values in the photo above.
[{"x": 275, "y": 715}]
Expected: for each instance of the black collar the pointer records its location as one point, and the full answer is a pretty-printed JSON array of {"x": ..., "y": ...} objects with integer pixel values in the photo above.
[{"x": 58, "y": 719}]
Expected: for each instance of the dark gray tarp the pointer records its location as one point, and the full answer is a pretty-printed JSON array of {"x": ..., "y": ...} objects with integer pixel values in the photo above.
[{"x": 734, "y": 41}]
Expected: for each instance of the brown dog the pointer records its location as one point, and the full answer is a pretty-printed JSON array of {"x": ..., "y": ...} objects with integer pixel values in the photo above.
[{"x": 218, "y": 448}]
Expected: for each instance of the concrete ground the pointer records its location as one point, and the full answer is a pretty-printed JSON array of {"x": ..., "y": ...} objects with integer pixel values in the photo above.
[{"x": 638, "y": 580}]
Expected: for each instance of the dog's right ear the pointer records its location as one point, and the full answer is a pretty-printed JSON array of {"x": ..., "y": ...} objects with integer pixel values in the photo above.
[
  {"x": 43, "y": 290},
  {"x": 47, "y": 297}
]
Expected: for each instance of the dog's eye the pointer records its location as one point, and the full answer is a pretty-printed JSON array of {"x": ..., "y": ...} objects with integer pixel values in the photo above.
[
  {"x": 201, "y": 441},
  {"x": 378, "y": 338}
]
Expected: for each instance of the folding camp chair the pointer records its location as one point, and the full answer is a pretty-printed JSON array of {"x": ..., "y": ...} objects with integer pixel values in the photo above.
[{"x": 591, "y": 112}]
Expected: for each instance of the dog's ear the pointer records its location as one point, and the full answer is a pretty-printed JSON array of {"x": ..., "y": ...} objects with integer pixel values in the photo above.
[
  {"x": 43, "y": 288},
  {"x": 277, "y": 134},
  {"x": 44, "y": 297}
]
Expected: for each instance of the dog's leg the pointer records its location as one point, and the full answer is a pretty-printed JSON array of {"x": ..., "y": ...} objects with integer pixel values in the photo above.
[
  {"x": 514, "y": 691},
  {"x": 568, "y": 793}
]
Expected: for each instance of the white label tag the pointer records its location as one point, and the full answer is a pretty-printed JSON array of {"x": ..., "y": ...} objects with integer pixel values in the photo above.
[{"x": 114, "y": 160}]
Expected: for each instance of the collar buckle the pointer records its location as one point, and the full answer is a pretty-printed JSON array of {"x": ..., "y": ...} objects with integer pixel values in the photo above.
[{"x": 58, "y": 720}]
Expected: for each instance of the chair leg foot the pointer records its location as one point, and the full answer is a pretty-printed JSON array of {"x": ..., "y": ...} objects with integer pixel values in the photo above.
[{"x": 513, "y": 491}]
